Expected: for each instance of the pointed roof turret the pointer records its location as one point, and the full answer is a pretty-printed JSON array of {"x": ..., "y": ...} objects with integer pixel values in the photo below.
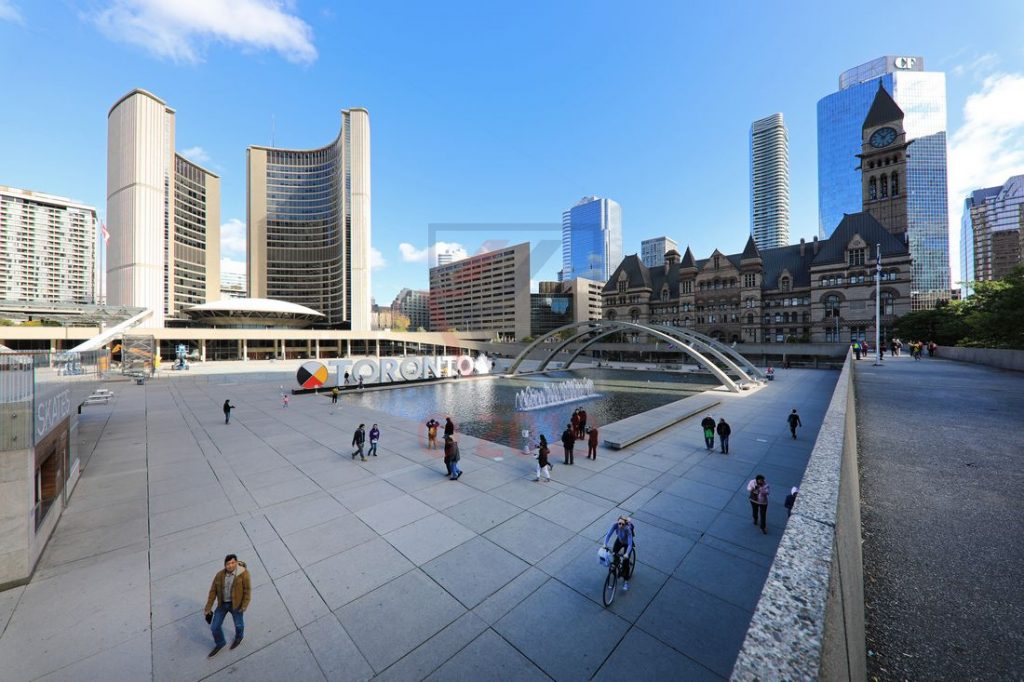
[
  {"x": 750, "y": 251},
  {"x": 688, "y": 261},
  {"x": 883, "y": 109}
]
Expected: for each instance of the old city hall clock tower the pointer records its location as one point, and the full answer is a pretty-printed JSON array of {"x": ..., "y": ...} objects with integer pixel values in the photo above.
[{"x": 883, "y": 163}]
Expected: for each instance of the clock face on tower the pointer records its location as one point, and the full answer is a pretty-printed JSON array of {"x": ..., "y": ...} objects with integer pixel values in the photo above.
[{"x": 883, "y": 137}]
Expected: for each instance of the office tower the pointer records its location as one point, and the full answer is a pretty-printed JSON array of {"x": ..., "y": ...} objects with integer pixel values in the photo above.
[
  {"x": 47, "y": 248},
  {"x": 921, "y": 95},
  {"x": 489, "y": 292},
  {"x": 652, "y": 251},
  {"x": 769, "y": 182},
  {"x": 591, "y": 239},
  {"x": 233, "y": 285},
  {"x": 163, "y": 214},
  {"x": 584, "y": 296},
  {"x": 991, "y": 228},
  {"x": 415, "y": 305},
  {"x": 444, "y": 258},
  {"x": 309, "y": 224}
]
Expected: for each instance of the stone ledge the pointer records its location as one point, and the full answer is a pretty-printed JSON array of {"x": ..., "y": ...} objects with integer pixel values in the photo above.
[{"x": 625, "y": 432}]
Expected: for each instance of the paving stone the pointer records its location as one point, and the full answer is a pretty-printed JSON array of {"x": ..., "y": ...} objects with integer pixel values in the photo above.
[
  {"x": 540, "y": 626},
  {"x": 301, "y": 598},
  {"x": 286, "y": 659},
  {"x": 528, "y": 536},
  {"x": 730, "y": 578},
  {"x": 681, "y": 511},
  {"x": 442, "y": 495},
  {"x": 489, "y": 657},
  {"x": 429, "y": 537},
  {"x": 327, "y": 539},
  {"x": 611, "y": 488},
  {"x": 393, "y": 514},
  {"x": 429, "y": 656},
  {"x": 641, "y": 657},
  {"x": 131, "y": 659},
  {"x": 349, "y": 575},
  {"x": 707, "y": 630},
  {"x": 494, "y": 608},
  {"x": 362, "y": 495},
  {"x": 335, "y": 651},
  {"x": 304, "y": 512},
  {"x": 483, "y": 512},
  {"x": 474, "y": 570},
  {"x": 385, "y": 628}
]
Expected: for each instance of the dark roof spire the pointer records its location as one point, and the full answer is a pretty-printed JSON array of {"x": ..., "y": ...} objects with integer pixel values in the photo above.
[
  {"x": 750, "y": 250},
  {"x": 883, "y": 109},
  {"x": 688, "y": 261}
]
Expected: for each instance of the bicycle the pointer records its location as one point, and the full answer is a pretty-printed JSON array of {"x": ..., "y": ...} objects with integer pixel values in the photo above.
[{"x": 615, "y": 571}]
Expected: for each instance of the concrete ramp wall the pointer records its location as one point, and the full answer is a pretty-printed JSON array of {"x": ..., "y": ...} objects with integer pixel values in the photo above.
[
  {"x": 993, "y": 357},
  {"x": 809, "y": 622}
]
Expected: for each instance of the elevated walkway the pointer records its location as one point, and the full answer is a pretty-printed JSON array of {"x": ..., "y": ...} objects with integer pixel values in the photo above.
[{"x": 625, "y": 432}]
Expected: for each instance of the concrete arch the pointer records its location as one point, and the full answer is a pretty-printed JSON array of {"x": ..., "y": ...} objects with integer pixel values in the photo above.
[{"x": 695, "y": 344}]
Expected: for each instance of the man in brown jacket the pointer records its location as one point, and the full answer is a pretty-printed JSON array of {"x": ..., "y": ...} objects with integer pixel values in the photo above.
[{"x": 232, "y": 590}]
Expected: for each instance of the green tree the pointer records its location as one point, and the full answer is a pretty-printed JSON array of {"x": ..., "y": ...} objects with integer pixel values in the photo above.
[
  {"x": 400, "y": 322},
  {"x": 945, "y": 325},
  {"x": 996, "y": 314}
]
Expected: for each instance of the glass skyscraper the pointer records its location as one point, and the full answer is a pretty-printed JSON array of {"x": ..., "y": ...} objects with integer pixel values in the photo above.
[
  {"x": 591, "y": 239},
  {"x": 922, "y": 97},
  {"x": 769, "y": 182}
]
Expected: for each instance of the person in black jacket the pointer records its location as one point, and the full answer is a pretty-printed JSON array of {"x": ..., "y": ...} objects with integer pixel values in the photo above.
[
  {"x": 568, "y": 440},
  {"x": 724, "y": 430},
  {"x": 794, "y": 421},
  {"x": 449, "y": 427},
  {"x": 543, "y": 466},
  {"x": 358, "y": 439},
  {"x": 449, "y": 453},
  {"x": 227, "y": 411},
  {"x": 707, "y": 425}
]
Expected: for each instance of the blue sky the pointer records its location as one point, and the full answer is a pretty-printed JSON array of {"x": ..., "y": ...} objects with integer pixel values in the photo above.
[{"x": 496, "y": 118}]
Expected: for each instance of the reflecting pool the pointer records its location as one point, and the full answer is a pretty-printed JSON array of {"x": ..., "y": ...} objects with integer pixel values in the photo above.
[{"x": 485, "y": 408}]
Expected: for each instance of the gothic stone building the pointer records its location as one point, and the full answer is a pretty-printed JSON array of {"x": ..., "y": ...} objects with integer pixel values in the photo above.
[{"x": 822, "y": 291}]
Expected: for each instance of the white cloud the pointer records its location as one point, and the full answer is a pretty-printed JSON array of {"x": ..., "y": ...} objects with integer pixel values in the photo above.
[
  {"x": 376, "y": 259},
  {"x": 233, "y": 239},
  {"x": 197, "y": 155},
  {"x": 491, "y": 245},
  {"x": 987, "y": 149},
  {"x": 980, "y": 65},
  {"x": 410, "y": 254},
  {"x": 180, "y": 29},
  {"x": 232, "y": 267},
  {"x": 10, "y": 12}
]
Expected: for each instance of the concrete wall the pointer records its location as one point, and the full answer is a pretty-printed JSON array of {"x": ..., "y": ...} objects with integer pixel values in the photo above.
[
  {"x": 809, "y": 622},
  {"x": 993, "y": 357}
]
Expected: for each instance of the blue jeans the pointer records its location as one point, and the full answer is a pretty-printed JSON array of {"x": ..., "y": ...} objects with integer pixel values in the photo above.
[
  {"x": 455, "y": 469},
  {"x": 724, "y": 440},
  {"x": 373, "y": 448},
  {"x": 219, "y": 614}
]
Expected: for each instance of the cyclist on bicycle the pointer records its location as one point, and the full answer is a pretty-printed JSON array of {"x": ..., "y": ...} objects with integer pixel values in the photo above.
[{"x": 623, "y": 532}]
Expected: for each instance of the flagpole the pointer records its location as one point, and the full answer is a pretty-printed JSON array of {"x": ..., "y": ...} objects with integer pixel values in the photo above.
[{"x": 878, "y": 304}]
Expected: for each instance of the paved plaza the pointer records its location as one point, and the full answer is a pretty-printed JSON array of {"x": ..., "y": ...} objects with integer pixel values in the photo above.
[{"x": 386, "y": 569}]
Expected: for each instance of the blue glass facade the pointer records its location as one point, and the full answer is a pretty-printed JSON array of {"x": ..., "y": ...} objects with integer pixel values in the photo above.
[
  {"x": 922, "y": 97},
  {"x": 591, "y": 239}
]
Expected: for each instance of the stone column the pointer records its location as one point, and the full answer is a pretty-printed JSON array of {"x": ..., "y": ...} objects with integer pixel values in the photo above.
[
  {"x": 317, "y": 348},
  {"x": 202, "y": 350}
]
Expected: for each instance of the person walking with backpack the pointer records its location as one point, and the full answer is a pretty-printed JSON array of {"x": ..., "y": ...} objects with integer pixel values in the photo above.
[
  {"x": 708, "y": 426},
  {"x": 543, "y": 465},
  {"x": 724, "y": 431},
  {"x": 374, "y": 438},
  {"x": 358, "y": 439},
  {"x": 449, "y": 453},
  {"x": 227, "y": 411},
  {"x": 758, "y": 491},
  {"x": 794, "y": 421}
]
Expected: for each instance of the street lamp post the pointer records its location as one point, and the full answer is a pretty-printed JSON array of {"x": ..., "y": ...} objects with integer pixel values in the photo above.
[{"x": 878, "y": 303}]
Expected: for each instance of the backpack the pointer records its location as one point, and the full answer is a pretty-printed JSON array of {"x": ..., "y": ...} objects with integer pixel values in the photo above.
[{"x": 455, "y": 452}]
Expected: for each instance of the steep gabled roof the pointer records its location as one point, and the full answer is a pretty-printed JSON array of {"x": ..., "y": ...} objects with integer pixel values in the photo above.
[
  {"x": 637, "y": 275},
  {"x": 688, "y": 261},
  {"x": 883, "y": 109},
  {"x": 786, "y": 258},
  {"x": 660, "y": 276},
  {"x": 833, "y": 250},
  {"x": 750, "y": 250}
]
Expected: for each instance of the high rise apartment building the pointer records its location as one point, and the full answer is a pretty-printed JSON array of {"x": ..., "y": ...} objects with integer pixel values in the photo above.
[
  {"x": 991, "y": 230},
  {"x": 921, "y": 95},
  {"x": 309, "y": 224},
  {"x": 415, "y": 305},
  {"x": 652, "y": 251},
  {"x": 47, "y": 248},
  {"x": 769, "y": 182},
  {"x": 490, "y": 291},
  {"x": 163, "y": 214},
  {"x": 591, "y": 239}
]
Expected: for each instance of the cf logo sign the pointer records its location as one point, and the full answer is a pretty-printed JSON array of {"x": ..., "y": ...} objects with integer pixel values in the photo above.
[{"x": 905, "y": 62}]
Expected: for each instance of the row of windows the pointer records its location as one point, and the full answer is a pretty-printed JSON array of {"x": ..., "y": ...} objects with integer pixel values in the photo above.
[{"x": 880, "y": 188}]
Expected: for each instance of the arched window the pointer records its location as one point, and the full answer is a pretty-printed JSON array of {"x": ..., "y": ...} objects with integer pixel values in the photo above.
[
  {"x": 884, "y": 186},
  {"x": 610, "y": 315},
  {"x": 831, "y": 306},
  {"x": 634, "y": 315},
  {"x": 872, "y": 188},
  {"x": 895, "y": 184},
  {"x": 888, "y": 303},
  {"x": 750, "y": 318},
  {"x": 784, "y": 283}
]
